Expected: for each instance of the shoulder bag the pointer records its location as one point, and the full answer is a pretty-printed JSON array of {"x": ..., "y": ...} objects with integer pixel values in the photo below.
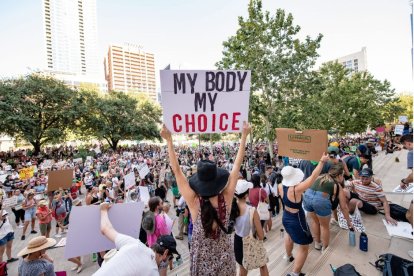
[{"x": 262, "y": 208}]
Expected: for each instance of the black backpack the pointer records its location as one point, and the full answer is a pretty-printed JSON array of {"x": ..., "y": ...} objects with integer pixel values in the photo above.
[
  {"x": 392, "y": 265},
  {"x": 346, "y": 270}
]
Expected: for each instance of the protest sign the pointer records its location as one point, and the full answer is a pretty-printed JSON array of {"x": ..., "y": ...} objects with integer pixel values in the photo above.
[
  {"x": 129, "y": 180},
  {"x": 3, "y": 177},
  {"x": 143, "y": 170},
  {"x": 209, "y": 101},
  {"x": 48, "y": 163},
  {"x": 307, "y": 144},
  {"x": 144, "y": 195},
  {"x": 26, "y": 173},
  {"x": 398, "y": 130},
  {"x": 84, "y": 235},
  {"x": 89, "y": 158},
  {"x": 402, "y": 119},
  {"x": 9, "y": 202},
  {"x": 380, "y": 129},
  {"x": 59, "y": 179}
]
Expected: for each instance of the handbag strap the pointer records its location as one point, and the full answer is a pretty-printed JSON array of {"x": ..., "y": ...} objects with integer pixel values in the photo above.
[{"x": 251, "y": 215}]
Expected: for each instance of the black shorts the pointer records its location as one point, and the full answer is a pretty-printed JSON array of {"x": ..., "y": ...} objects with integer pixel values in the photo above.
[
  {"x": 238, "y": 249},
  {"x": 366, "y": 207}
]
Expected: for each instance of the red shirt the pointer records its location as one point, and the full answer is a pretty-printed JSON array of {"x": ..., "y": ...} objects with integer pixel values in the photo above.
[
  {"x": 74, "y": 192},
  {"x": 44, "y": 211},
  {"x": 254, "y": 196}
]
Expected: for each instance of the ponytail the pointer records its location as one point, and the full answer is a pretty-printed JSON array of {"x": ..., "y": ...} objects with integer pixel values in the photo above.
[{"x": 235, "y": 212}]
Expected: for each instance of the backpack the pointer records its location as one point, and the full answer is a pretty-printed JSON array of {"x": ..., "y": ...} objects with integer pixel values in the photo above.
[
  {"x": 346, "y": 270},
  {"x": 148, "y": 222},
  {"x": 3, "y": 269},
  {"x": 392, "y": 265}
]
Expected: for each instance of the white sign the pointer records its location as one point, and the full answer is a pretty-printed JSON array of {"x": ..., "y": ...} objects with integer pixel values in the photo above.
[
  {"x": 84, "y": 234},
  {"x": 143, "y": 170},
  {"x": 399, "y": 129},
  {"x": 3, "y": 177},
  {"x": 129, "y": 180},
  {"x": 202, "y": 101},
  {"x": 9, "y": 202},
  {"x": 77, "y": 160},
  {"x": 89, "y": 158},
  {"x": 144, "y": 195},
  {"x": 402, "y": 119}
]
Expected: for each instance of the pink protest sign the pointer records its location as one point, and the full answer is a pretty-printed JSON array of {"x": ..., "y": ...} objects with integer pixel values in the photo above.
[
  {"x": 380, "y": 129},
  {"x": 84, "y": 235}
]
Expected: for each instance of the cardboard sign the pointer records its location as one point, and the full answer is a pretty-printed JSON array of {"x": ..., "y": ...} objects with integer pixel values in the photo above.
[
  {"x": 209, "y": 101},
  {"x": 9, "y": 202},
  {"x": 402, "y": 119},
  {"x": 143, "y": 170},
  {"x": 144, "y": 195},
  {"x": 398, "y": 130},
  {"x": 84, "y": 235},
  {"x": 59, "y": 179},
  {"x": 26, "y": 173},
  {"x": 129, "y": 180},
  {"x": 308, "y": 144}
]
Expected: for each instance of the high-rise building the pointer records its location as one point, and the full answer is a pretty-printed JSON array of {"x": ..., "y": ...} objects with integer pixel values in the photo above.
[
  {"x": 129, "y": 69},
  {"x": 355, "y": 62},
  {"x": 70, "y": 28}
]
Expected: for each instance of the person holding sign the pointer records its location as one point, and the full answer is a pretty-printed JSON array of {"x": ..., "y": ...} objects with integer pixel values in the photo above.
[
  {"x": 294, "y": 221},
  {"x": 209, "y": 194}
]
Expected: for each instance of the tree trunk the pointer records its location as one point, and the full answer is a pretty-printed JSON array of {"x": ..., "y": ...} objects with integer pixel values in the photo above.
[
  {"x": 114, "y": 144},
  {"x": 269, "y": 141},
  {"x": 36, "y": 147}
]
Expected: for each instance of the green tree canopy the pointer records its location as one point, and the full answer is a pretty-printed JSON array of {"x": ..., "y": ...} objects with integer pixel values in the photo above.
[
  {"x": 117, "y": 116},
  {"x": 38, "y": 109},
  {"x": 268, "y": 45}
]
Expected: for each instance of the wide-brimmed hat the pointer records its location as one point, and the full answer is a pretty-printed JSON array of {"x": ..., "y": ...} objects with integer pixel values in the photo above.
[
  {"x": 109, "y": 255},
  {"x": 291, "y": 176},
  {"x": 42, "y": 203},
  {"x": 76, "y": 202},
  {"x": 209, "y": 180},
  {"x": 37, "y": 244},
  {"x": 242, "y": 186}
]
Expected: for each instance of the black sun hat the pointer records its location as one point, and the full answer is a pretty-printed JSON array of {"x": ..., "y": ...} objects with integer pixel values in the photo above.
[{"x": 209, "y": 180}]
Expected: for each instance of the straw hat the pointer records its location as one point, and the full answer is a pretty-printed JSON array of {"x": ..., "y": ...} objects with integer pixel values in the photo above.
[
  {"x": 42, "y": 203},
  {"x": 109, "y": 255},
  {"x": 37, "y": 244}
]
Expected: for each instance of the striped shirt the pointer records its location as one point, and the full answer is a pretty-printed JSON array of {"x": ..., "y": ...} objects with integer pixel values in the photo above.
[{"x": 369, "y": 193}]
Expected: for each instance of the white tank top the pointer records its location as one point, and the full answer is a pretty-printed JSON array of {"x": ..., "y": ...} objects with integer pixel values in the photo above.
[{"x": 242, "y": 225}]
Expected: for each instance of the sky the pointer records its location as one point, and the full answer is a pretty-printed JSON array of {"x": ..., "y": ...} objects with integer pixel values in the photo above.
[{"x": 189, "y": 34}]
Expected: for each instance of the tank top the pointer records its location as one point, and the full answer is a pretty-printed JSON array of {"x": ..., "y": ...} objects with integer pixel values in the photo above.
[
  {"x": 287, "y": 202},
  {"x": 242, "y": 225},
  {"x": 95, "y": 199}
]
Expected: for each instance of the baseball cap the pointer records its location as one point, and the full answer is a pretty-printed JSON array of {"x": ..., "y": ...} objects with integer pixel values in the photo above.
[
  {"x": 333, "y": 149},
  {"x": 242, "y": 186},
  {"x": 168, "y": 242},
  {"x": 366, "y": 172}
]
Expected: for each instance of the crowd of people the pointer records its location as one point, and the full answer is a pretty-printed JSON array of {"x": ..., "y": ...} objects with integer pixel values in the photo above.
[{"x": 225, "y": 196}]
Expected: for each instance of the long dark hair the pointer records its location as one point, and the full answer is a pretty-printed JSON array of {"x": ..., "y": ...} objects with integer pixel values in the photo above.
[
  {"x": 256, "y": 180},
  {"x": 235, "y": 211},
  {"x": 209, "y": 216}
]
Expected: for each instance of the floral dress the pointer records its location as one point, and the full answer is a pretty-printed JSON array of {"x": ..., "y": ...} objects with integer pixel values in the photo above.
[{"x": 212, "y": 256}]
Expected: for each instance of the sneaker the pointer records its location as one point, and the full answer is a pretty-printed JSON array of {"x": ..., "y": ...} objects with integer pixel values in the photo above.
[
  {"x": 20, "y": 226},
  {"x": 23, "y": 237},
  {"x": 12, "y": 260},
  {"x": 318, "y": 245},
  {"x": 58, "y": 236},
  {"x": 74, "y": 268},
  {"x": 33, "y": 232},
  {"x": 288, "y": 259}
]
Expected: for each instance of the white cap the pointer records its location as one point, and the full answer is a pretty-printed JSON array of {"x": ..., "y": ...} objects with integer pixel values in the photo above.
[{"x": 242, "y": 186}]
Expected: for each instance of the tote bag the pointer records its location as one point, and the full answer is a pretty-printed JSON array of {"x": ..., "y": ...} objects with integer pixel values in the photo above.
[{"x": 254, "y": 253}]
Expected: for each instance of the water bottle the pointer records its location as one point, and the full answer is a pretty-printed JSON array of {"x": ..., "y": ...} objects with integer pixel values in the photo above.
[
  {"x": 352, "y": 237},
  {"x": 282, "y": 233},
  {"x": 363, "y": 242}
]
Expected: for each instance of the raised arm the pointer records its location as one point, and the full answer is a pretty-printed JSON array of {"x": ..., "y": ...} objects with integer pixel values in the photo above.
[
  {"x": 106, "y": 226},
  {"x": 301, "y": 187},
  {"x": 182, "y": 183},
  {"x": 234, "y": 174}
]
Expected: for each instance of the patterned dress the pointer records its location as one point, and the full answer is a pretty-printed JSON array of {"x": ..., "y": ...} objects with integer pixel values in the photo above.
[{"x": 212, "y": 256}]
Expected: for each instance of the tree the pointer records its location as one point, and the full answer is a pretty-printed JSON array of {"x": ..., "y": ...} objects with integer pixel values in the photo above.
[
  {"x": 38, "y": 109},
  {"x": 117, "y": 116},
  {"x": 267, "y": 45}
]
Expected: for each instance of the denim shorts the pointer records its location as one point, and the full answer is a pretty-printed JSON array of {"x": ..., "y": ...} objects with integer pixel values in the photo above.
[
  {"x": 7, "y": 238},
  {"x": 30, "y": 214},
  {"x": 317, "y": 202}
]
